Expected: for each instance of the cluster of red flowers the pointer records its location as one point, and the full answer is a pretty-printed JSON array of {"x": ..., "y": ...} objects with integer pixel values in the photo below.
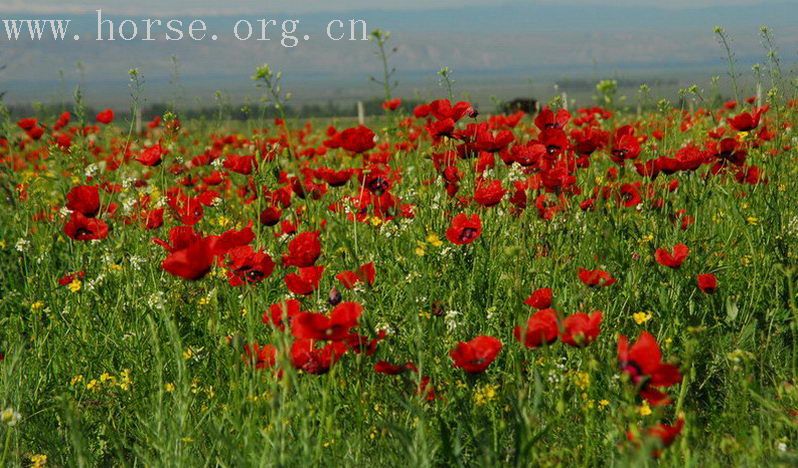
[{"x": 357, "y": 175}]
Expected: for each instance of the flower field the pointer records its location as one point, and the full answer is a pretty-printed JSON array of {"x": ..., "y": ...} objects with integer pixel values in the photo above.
[{"x": 436, "y": 287}]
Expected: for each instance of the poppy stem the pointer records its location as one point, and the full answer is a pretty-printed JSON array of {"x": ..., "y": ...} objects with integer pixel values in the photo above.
[{"x": 683, "y": 391}]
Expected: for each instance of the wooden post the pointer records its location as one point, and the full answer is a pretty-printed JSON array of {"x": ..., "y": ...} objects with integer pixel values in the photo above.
[{"x": 361, "y": 113}]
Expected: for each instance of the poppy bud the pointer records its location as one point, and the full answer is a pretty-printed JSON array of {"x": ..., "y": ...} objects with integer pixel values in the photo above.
[{"x": 335, "y": 297}]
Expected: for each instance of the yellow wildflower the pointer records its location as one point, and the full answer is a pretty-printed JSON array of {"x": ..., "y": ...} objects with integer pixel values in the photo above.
[
  {"x": 485, "y": 394},
  {"x": 644, "y": 409},
  {"x": 106, "y": 377},
  {"x": 76, "y": 380},
  {"x": 124, "y": 380},
  {"x": 434, "y": 240},
  {"x": 75, "y": 285},
  {"x": 38, "y": 460},
  {"x": 38, "y": 305},
  {"x": 582, "y": 380},
  {"x": 752, "y": 220},
  {"x": 93, "y": 385},
  {"x": 169, "y": 387},
  {"x": 641, "y": 317}
]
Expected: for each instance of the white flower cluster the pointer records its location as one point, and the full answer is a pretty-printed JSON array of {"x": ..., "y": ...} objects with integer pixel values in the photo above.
[
  {"x": 451, "y": 320},
  {"x": 22, "y": 245},
  {"x": 10, "y": 417},
  {"x": 156, "y": 300}
]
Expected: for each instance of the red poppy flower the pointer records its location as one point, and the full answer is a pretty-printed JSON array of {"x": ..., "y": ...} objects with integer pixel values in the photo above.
[
  {"x": 153, "y": 219},
  {"x": 243, "y": 165},
  {"x": 334, "y": 178},
  {"x": 392, "y": 104},
  {"x": 191, "y": 262},
  {"x": 336, "y": 327},
  {"x": 260, "y": 356},
  {"x": 245, "y": 266},
  {"x": 476, "y": 355},
  {"x": 106, "y": 116},
  {"x": 152, "y": 156},
  {"x": 625, "y": 145},
  {"x": 665, "y": 434},
  {"x": 357, "y": 140},
  {"x": 548, "y": 119},
  {"x": 303, "y": 250},
  {"x": 443, "y": 109},
  {"x": 281, "y": 313},
  {"x": 595, "y": 278},
  {"x": 540, "y": 299},
  {"x": 229, "y": 240},
  {"x": 643, "y": 364},
  {"x": 385, "y": 367},
  {"x": 27, "y": 123},
  {"x": 707, "y": 283},
  {"x": 489, "y": 192},
  {"x": 70, "y": 277},
  {"x": 630, "y": 195},
  {"x": 440, "y": 128},
  {"x": 464, "y": 229},
  {"x": 306, "y": 357},
  {"x": 746, "y": 121},
  {"x": 366, "y": 273},
  {"x": 541, "y": 329},
  {"x": 673, "y": 259},
  {"x": 84, "y": 199},
  {"x": 81, "y": 228},
  {"x": 581, "y": 329},
  {"x": 270, "y": 216},
  {"x": 305, "y": 281}
]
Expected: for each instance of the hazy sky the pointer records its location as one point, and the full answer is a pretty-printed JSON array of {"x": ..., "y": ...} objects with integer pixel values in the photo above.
[{"x": 166, "y": 7}]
